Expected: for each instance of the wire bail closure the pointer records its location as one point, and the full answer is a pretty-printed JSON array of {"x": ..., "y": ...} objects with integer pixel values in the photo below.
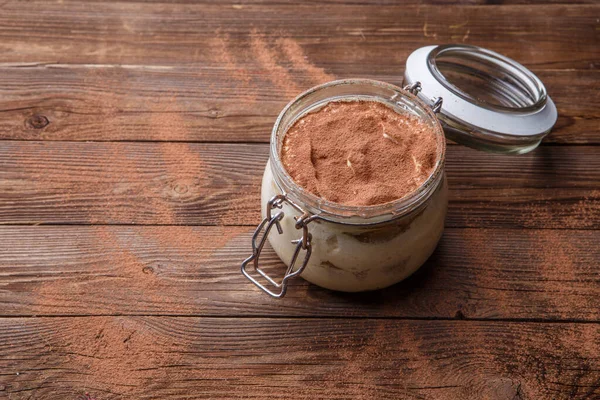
[{"x": 304, "y": 243}]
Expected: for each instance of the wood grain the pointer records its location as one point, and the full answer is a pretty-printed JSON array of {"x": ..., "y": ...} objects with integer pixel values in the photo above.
[
  {"x": 380, "y": 3},
  {"x": 230, "y": 102},
  {"x": 506, "y": 308},
  {"x": 194, "y": 358},
  {"x": 551, "y": 36},
  {"x": 218, "y": 184},
  {"x": 474, "y": 274}
]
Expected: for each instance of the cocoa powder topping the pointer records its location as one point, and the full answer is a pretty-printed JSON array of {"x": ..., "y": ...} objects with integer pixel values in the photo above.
[{"x": 359, "y": 153}]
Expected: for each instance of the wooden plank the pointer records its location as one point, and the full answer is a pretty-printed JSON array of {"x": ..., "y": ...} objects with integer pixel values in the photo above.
[
  {"x": 125, "y": 357},
  {"x": 218, "y": 184},
  {"x": 225, "y": 103},
  {"x": 552, "y": 36},
  {"x": 371, "y": 2},
  {"x": 474, "y": 274}
]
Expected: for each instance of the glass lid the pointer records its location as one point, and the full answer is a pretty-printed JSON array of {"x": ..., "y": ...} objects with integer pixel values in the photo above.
[{"x": 490, "y": 102}]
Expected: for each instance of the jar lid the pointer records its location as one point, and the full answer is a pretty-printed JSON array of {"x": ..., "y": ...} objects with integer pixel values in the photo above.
[{"x": 489, "y": 101}]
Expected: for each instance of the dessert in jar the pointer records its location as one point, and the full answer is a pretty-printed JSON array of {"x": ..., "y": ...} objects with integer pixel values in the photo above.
[
  {"x": 354, "y": 194},
  {"x": 356, "y": 171}
]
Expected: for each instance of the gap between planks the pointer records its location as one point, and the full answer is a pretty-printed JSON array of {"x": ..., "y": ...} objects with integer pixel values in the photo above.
[
  {"x": 154, "y": 67},
  {"x": 313, "y": 317},
  {"x": 117, "y": 224},
  {"x": 233, "y": 142}
]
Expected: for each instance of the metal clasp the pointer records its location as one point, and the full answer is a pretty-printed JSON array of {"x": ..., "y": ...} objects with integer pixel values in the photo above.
[
  {"x": 304, "y": 243},
  {"x": 437, "y": 104},
  {"x": 415, "y": 88}
]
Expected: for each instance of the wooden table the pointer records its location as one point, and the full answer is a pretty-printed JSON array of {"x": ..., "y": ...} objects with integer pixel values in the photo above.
[{"x": 134, "y": 135}]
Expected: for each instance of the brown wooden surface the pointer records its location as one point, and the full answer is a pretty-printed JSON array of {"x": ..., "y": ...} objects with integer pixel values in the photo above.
[
  {"x": 549, "y": 36},
  {"x": 150, "y": 357},
  {"x": 218, "y": 184},
  {"x": 177, "y": 103},
  {"x": 133, "y": 136},
  {"x": 474, "y": 274}
]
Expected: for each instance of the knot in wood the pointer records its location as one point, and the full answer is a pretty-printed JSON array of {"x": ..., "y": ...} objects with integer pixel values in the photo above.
[
  {"x": 37, "y": 121},
  {"x": 214, "y": 113},
  {"x": 148, "y": 270},
  {"x": 181, "y": 188}
]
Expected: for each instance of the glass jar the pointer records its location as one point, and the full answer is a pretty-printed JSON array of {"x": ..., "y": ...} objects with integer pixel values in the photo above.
[
  {"x": 348, "y": 248},
  {"x": 490, "y": 102}
]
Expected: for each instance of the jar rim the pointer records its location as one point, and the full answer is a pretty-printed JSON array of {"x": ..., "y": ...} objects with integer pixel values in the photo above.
[
  {"x": 348, "y": 214},
  {"x": 491, "y": 102},
  {"x": 529, "y": 85}
]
